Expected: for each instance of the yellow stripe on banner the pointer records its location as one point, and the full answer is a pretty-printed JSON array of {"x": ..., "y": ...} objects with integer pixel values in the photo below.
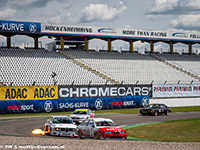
[{"x": 28, "y": 92}]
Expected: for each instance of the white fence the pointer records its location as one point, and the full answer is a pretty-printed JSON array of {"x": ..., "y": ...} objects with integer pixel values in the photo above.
[{"x": 177, "y": 102}]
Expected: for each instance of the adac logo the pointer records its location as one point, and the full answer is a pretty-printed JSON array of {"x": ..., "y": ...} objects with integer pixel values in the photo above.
[
  {"x": 107, "y": 30},
  {"x": 179, "y": 34},
  {"x": 98, "y": 104},
  {"x": 32, "y": 28},
  {"x": 48, "y": 106},
  {"x": 144, "y": 102}
]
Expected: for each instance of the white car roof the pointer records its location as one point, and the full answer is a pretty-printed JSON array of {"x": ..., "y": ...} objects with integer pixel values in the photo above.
[
  {"x": 60, "y": 116},
  {"x": 101, "y": 119}
]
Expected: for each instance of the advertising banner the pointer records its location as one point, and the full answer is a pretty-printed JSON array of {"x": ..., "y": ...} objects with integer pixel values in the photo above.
[
  {"x": 28, "y": 92},
  {"x": 176, "y": 90},
  {"x": 118, "y": 32},
  {"x": 104, "y": 91},
  {"x": 20, "y": 27},
  {"x": 59, "y": 105}
]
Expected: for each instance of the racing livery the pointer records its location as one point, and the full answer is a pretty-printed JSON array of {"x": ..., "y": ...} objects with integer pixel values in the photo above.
[
  {"x": 60, "y": 126},
  {"x": 100, "y": 128},
  {"x": 156, "y": 109},
  {"x": 79, "y": 115}
]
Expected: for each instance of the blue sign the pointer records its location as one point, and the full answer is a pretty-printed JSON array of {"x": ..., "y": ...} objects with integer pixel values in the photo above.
[
  {"x": 70, "y": 104},
  {"x": 20, "y": 27}
]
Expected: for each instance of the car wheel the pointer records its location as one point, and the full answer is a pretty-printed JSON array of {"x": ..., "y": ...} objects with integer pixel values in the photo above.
[
  {"x": 167, "y": 113},
  {"x": 80, "y": 136},
  {"x": 156, "y": 113},
  {"x": 97, "y": 136}
]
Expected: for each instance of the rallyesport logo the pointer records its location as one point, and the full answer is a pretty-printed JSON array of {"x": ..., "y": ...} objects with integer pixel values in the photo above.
[
  {"x": 123, "y": 103},
  {"x": 21, "y": 107}
]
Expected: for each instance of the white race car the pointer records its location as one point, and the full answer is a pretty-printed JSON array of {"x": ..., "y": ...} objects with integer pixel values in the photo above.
[
  {"x": 60, "y": 126},
  {"x": 100, "y": 128},
  {"x": 79, "y": 115}
]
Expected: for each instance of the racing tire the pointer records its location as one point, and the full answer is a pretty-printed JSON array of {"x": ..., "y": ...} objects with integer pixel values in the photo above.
[
  {"x": 167, "y": 113},
  {"x": 80, "y": 136},
  {"x": 155, "y": 113},
  {"x": 97, "y": 136}
]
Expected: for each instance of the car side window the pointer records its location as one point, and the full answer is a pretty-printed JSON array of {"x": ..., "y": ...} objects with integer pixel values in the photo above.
[
  {"x": 85, "y": 123},
  {"x": 91, "y": 123}
]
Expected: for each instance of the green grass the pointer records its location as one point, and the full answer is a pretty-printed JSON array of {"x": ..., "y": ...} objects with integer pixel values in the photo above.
[
  {"x": 185, "y": 109},
  {"x": 113, "y": 111},
  {"x": 170, "y": 131}
]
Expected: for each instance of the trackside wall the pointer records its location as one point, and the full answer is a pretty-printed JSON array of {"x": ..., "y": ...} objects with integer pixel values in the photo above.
[
  {"x": 37, "y": 99},
  {"x": 177, "y": 102}
]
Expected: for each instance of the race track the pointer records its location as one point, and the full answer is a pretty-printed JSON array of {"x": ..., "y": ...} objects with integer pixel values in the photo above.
[{"x": 24, "y": 127}]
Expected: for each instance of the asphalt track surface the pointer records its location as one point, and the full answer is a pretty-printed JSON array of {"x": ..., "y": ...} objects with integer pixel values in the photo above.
[{"x": 24, "y": 127}]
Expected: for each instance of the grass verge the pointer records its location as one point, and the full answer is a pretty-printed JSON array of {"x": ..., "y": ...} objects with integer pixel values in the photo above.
[
  {"x": 113, "y": 111},
  {"x": 170, "y": 131}
]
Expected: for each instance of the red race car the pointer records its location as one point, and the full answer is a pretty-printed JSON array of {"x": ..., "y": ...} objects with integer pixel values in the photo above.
[{"x": 100, "y": 128}]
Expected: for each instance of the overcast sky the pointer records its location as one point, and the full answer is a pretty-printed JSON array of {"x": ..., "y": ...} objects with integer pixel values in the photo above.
[{"x": 136, "y": 14}]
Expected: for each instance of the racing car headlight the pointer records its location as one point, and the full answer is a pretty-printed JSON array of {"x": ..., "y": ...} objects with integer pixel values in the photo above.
[
  {"x": 122, "y": 132},
  {"x": 109, "y": 132},
  {"x": 56, "y": 129}
]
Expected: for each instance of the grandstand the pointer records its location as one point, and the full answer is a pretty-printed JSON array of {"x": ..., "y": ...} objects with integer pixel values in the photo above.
[
  {"x": 189, "y": 63},
  {"x": 21, "y": 67},
  {"x": 132, "y": 68}
]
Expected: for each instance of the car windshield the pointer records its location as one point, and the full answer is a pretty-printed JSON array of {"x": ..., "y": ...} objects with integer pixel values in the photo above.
[
  {"x": 153, "y": 106},
  {"x": 62, "y": 120},
  {"x": 105, "y": 123},
  {"x": 80, "y": 112}
]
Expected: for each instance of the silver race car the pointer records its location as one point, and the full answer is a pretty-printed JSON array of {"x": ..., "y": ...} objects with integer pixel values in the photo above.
[
  {"x": 60, "y": 126},
  {"x": 79, "y": 115}
]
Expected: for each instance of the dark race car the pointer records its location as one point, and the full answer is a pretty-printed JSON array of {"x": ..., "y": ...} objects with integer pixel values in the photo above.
[{"x": 156, "y": 109}]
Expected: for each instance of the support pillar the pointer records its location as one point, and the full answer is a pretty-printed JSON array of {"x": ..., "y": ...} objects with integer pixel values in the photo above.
[
  {"x": 36, "y": 42},
  {"x": 8, "y": 41},
  {"x": 131, "y": 46},
  {"x": 152, "y": 47},
  {"x": 190, "y": 48},
  {"x": 109, "y": 45},
  {"x": 171, "y": 47},
  {"x": 86, "y": 45},
  {"x": 62, "y": 43}
]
